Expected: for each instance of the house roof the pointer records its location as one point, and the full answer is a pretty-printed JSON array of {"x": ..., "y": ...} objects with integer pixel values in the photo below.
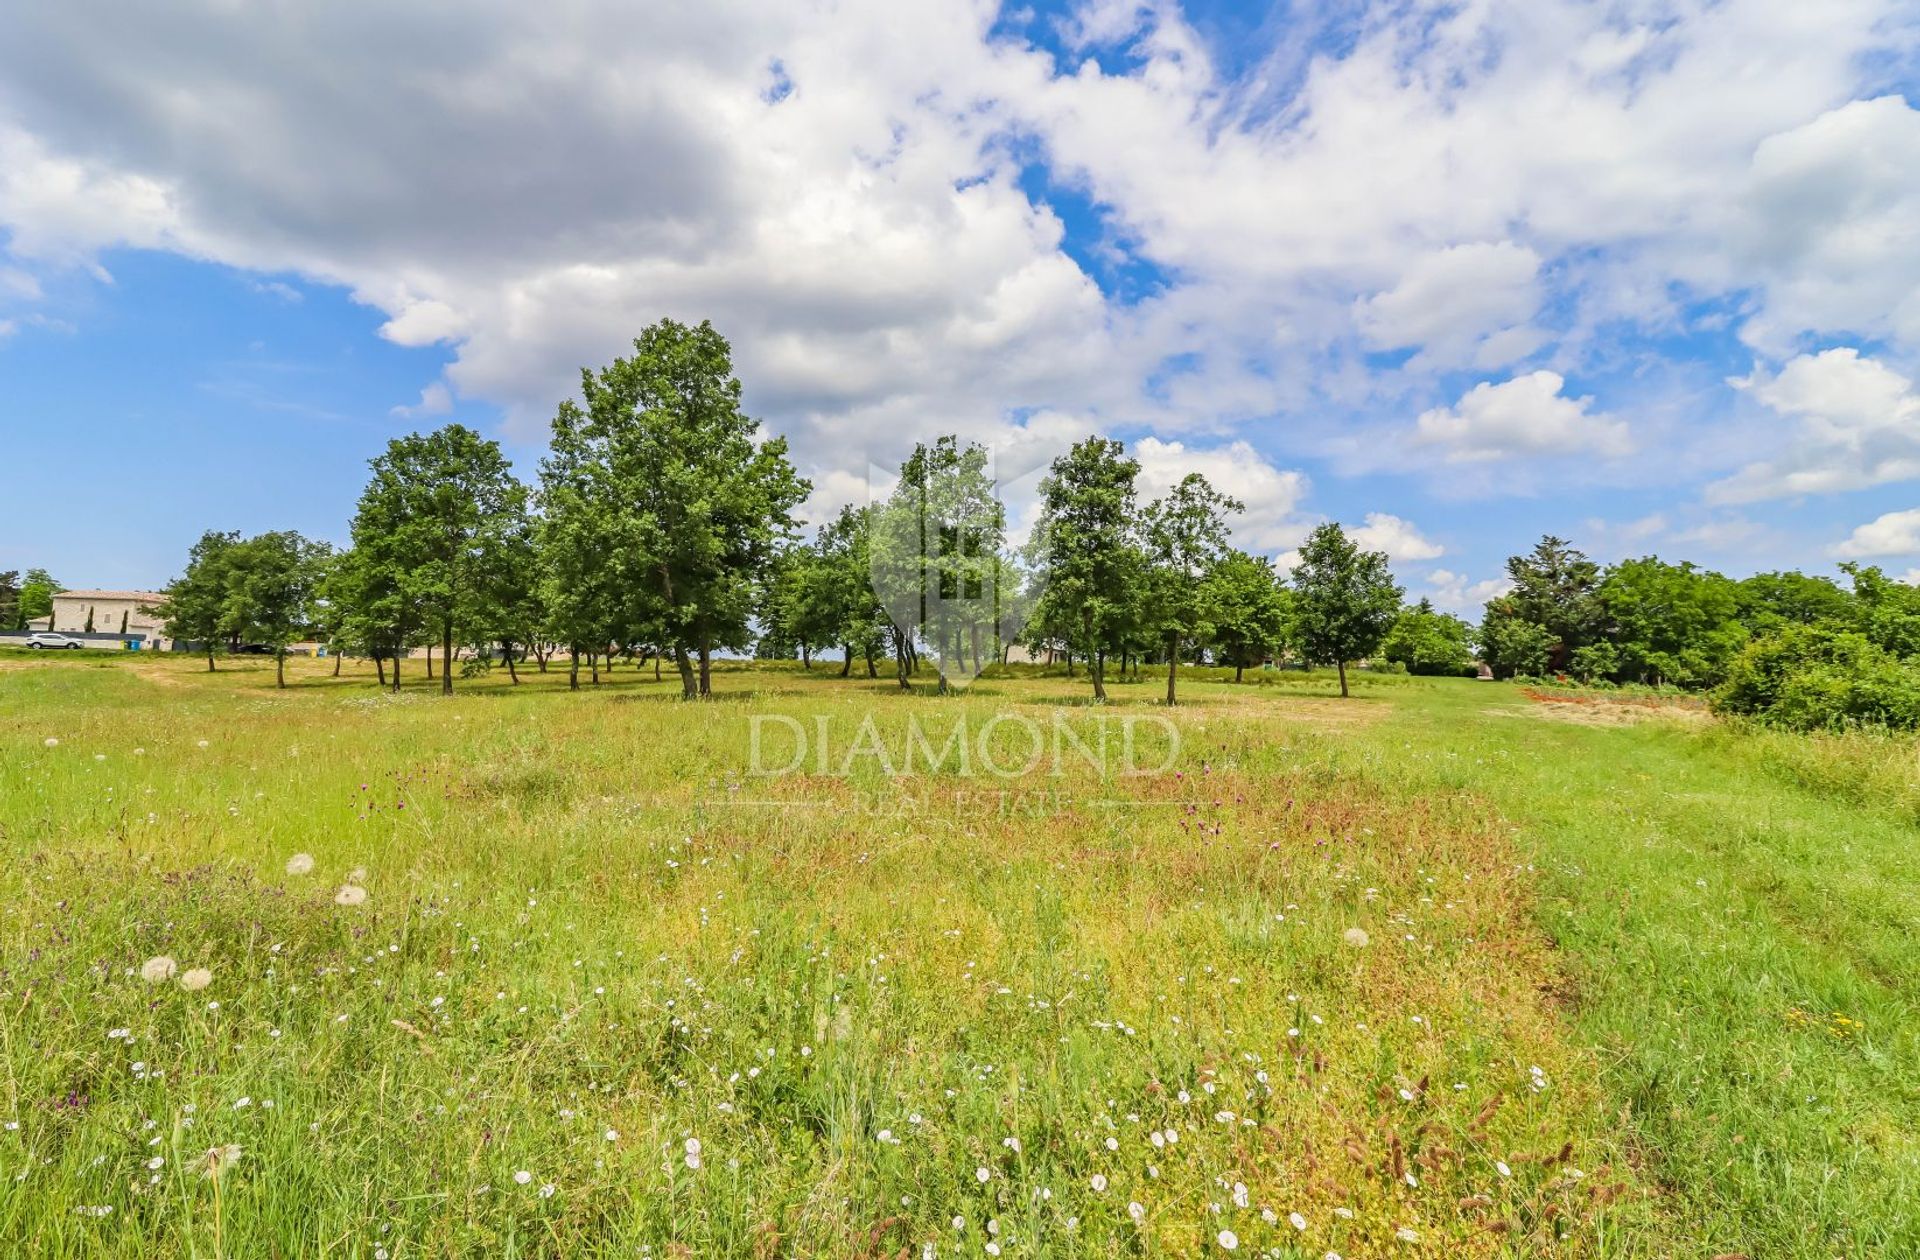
[{"x": 154, "y": 596}]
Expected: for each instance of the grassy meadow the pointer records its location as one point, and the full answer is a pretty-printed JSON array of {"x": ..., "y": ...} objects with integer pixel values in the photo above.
[{"x": 1445, "y": 969}]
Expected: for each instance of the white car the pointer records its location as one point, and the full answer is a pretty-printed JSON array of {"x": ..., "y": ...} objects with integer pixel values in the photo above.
[{"x": 49, "y": 639}]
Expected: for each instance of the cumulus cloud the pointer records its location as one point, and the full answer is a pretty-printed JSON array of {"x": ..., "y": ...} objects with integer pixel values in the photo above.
[
  {"x": 1856, "y": 423},
  {"x": 847, "y": 191},
  {"x": 1891, "y": 534},
  {"x": 1463, "y": 304},
  {"x": 435, "y": 400},
  {"x": 1271, "y": 495},
  {"x": 1400, "y": 539},
  {"x": 1456, "y": 593},
  {"x": 1527, "y": 415}
]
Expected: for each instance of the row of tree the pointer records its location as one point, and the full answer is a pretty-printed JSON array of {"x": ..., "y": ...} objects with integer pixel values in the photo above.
[
  {"x": 1803, "y": 651},
  {"x": 662, "y": 526}
]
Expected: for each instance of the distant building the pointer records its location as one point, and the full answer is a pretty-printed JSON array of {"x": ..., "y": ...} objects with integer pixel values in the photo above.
[{"x": 115, "y": 614}]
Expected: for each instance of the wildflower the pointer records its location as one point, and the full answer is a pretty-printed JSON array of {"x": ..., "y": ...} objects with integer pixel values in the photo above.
[
  {"x": 51, "y": 742},
  {"x": 158, "y": 970},
  {"x": 982, "y": 1175},
  {"x": 693, "y": 1153},
  {"x": 612, "y": 1135},
  {"x": 1137, "y": 1212},
  {"x": 1500, "y": 1166},
  {"x": 1356, "y": 937},
  {"x": 156, "y": 1163},
  {"x": 300, "y": 864},
  {"x": 546, "y": 1191},
  {"x": 1099, "y": 1183},
  {"x": 1296, "y": 1220},
  {"x": 1228, "y": 1240},
  {"x": 196, "y": 979},
  {"x": 350, "y": 895},
  {"x": 358, "y": 875},
  {"x": 522, "y": 1177},
  {"x": 1406, "y": 1235},
  {"x": 200, "y": 743},
  {"x": 218, "y": 1160}
]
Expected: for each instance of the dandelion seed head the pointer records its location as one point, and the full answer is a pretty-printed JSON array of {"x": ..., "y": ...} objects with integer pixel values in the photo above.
[
  {"x": 196, "y": 979},
  {"x": 158, "y": 970},
  {"x": 300, "y": 864}
]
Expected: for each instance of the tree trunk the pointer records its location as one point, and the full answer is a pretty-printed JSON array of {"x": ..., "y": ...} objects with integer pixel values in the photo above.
[
  {"x": 506, "y": 647},
  {"x": 689, "y": 685},
  {"x": 656, "y": 666},
  {"x": 706, "y": 666},
  {"x": 1343, "y": 679},
  {"x": 541, "y": 656},
  {"x": 1099, "y": 670},
  {"x": 446, "y": 657},
  {"x": 846, "y": 666},
  {"x": 593, "y": 666},
  {"x": 380, "y": 667},
  {"x": 209, "y": 656},
  {"x": 336, "y": 664},
  {"x": 873, "y": 671},
  {"x": 396, "y": 668},
  {"x": 429, "y": 662},
  {"x": 1239, "y": 667},
  {"x": 280, "y": 668},
  {"x": 1173, "y": 661}
]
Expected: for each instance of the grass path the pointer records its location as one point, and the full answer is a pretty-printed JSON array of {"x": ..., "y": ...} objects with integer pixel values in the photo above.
[{"x": 1745, "y": 958}]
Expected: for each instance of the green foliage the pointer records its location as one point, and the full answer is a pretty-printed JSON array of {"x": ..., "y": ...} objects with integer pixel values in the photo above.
[
  {"x": 433, "y": 528},
  {"x": 1822, "y": 678},
  {"x": 664, "y": 472},
  {"x": 1668, "y": 623},
  {"x": 1426, "y": 641},
  {"x": 1089, "y": 551},
  {"x": 195, "y": 608},
  {"x": 36, "y": 596},
  {"x": 271, "y": 582},
  {"x": 10, "y": 599},
  {"x": 1185, "y": 535},
  {"x": 1554, "y": 588},
  {"x": 1512, "y": 645},
  {"x": 1345, "y": 599},
  {"x": 1247, "y": 609}
]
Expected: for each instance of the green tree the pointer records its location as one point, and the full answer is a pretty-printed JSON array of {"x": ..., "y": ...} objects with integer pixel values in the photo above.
[
  {"x": 1428, "y": 641},
  {"x": 1885, "y": 610},
  {"x": 935, "y": 557},
  {"x": 436, "y": 519},
  {"x": 1247, "y": 608},
  {"x": 36, "y": 597},
  {"x": 678, "y": 481},
  {"x": 1185, "y": 536},
  {"x": 1771, "y": 601},
  {"x": 1345, "y": 599},
  {"x": 1553, "y": 587},
  {"x": 271, "y": 583},
  {"x": 860, "y": 623},
  {"x": 1511, "y": 644},
  {"x": 1088, "y": 551},
  {"x": 195, "y": 607},
  {"x": 10, "y": 599},
  {"x": 1670, "y": 623}
]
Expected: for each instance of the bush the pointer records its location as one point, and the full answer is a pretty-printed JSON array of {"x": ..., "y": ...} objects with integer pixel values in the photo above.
[{"x": 1819, "y": 678}]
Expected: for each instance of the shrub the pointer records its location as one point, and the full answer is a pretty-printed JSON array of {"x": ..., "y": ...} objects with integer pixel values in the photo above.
[{"x": 1820, "y": 678}]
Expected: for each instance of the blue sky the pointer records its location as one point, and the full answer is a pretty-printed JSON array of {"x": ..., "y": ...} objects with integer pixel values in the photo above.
[{"x": 1643, "y": 275}]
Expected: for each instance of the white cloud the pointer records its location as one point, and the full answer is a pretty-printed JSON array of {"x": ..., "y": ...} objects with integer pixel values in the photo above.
[
  {"x": 435, "y": 400},
  {"x": 1271, "y": 495},
  {"x": 1524, "y": 416},
  {"x": 1856, "y": 424},
  {"x": 1475, "y": 183},
  {"x": 1455, "y": 593},
  {"x": 1400, "y": 539},
  {"x": 1464, "y": 304},
  {"x": 1891, "y": 534}
]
